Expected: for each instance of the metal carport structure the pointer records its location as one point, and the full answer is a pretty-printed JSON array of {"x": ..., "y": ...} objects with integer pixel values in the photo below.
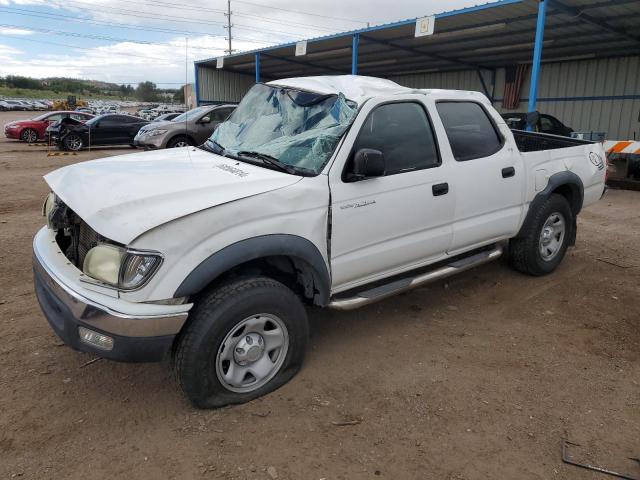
[{"x": 479, "y": 39}]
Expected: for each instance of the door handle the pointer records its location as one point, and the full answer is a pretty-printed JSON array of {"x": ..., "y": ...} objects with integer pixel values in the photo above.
[
  {"x": 440, "y": 189},
  {"x": 508, "y": 172}
]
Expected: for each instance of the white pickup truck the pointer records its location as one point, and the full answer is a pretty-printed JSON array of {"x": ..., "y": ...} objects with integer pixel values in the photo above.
[{"x": 320, "y": 191}]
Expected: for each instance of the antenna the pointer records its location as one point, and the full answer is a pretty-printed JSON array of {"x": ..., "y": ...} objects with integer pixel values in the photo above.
[{"x": 186, "y": 76}]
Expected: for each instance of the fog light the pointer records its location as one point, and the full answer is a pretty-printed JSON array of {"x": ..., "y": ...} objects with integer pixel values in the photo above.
[{"x": 98, "y": 340}]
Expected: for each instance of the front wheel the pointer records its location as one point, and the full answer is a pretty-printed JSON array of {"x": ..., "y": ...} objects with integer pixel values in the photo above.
[
  {"x": 73, "y": 142},
  {"x": 179, "y": 141},
  {"x": 29, "y": 135},
  {"x": 243, "y": 340},
  {"x": 544, "y": 243}
]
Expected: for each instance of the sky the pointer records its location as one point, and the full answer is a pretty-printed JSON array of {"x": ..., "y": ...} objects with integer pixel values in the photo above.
[{"x": 130, "y": 41}]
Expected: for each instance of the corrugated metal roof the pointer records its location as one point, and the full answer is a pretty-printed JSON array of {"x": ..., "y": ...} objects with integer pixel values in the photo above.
[{"x": 484, "y": 36}]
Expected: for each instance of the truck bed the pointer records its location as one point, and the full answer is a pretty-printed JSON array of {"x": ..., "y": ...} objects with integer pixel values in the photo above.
[{"x": 534, "y": 141}]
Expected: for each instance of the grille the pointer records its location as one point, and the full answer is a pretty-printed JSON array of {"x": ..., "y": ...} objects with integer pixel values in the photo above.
[{"x": 87, "y": 239}]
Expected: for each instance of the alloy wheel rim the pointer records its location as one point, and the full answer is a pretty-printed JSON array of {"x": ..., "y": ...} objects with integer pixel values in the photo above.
[
  {"x": 181, "y": 144},
  {"x": 552, "y": 236},
  {"x": 252, "y": 353},
  {"x": 74, "y": 143}
]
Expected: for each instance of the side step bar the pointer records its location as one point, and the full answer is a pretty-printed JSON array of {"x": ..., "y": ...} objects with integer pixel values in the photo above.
[{"x": 378, "y": 293}]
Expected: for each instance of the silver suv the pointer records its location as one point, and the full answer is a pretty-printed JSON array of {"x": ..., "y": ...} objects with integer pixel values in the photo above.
[{"x": 190, "y": 128}]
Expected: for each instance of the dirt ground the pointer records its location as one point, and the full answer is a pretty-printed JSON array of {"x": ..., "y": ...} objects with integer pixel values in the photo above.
[{"x": 477, "y": 378}]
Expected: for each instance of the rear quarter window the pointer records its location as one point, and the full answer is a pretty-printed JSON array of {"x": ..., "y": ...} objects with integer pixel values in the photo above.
[{"x": 470, "y": 131}]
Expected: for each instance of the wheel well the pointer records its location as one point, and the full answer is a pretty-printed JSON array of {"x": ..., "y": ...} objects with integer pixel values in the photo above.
[
  {"x": 292, "y": 272},
  {"x": 572, "y": 194},
  {"x": 186, "y": 135}
]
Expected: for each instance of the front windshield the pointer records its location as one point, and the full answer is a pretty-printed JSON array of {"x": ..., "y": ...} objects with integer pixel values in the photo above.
[
  {"x": 300, "y": 129},
  {"x": 192, "y": 114}
]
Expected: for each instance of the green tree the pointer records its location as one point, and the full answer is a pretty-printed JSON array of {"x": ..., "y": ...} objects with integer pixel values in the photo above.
[
  {"x": 147, "y": 92},
  {"x": 178, "y": 97}
]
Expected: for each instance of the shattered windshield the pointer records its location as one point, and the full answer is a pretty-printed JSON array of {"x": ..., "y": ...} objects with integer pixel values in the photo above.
[{"x": 295, "y": 128}]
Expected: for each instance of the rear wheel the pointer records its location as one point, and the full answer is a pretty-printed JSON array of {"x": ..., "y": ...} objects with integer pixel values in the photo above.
[
  {"x": 244, "y": 340},
  {"x": 544, "y": 243},
  {"x": 29, "y": 135},
  {"x": 73, "y": 142},
  {"x": 179, "y": 141}
]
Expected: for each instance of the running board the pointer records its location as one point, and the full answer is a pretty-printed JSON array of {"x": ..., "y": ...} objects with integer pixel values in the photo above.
[{"x": 378, "y": 293}]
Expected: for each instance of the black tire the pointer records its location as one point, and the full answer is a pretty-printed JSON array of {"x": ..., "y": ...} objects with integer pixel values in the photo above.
[
  {"x": 73, "y": 142},
  {"x": 525, "y": 251},
  {"x": 214, "y": 317},
  {"x": 179, "y": 141},
  {"x": 29, "y": 135}
]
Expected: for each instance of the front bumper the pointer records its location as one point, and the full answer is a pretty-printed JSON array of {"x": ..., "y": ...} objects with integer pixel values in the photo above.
[
  {"x": 136, "y": 338},
  {"x": 149, "y": 142},
  {"x": 12, "y": 133}
]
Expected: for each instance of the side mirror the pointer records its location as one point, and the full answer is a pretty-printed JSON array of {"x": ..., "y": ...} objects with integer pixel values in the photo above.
[
  {"x": 205, "y": 119},
  {"x": 367, "y": 163}
]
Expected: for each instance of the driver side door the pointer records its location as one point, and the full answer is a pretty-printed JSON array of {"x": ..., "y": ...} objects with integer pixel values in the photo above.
[{"x": 399, "y": 221}]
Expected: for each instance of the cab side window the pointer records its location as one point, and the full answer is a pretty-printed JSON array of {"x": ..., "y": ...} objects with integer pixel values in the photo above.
[
  {"x": 470, "y": 131},
  {"x": 403, "y": 133},
  {"x": 221, "y": 114}
]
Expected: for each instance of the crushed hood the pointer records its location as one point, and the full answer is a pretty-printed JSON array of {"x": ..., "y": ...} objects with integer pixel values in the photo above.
[{"x": 122, "y": 197}]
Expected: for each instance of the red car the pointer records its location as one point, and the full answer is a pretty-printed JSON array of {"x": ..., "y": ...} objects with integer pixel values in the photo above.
[{"x": 33, "y": 130}]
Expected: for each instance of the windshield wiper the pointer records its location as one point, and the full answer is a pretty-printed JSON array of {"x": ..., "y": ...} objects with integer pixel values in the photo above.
[
  {"x": 271, "y": 161},
  {"x": 220, "y": 149}
]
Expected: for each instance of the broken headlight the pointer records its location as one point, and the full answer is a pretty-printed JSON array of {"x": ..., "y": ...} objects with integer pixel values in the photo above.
[{"x": 119, "y": 267}]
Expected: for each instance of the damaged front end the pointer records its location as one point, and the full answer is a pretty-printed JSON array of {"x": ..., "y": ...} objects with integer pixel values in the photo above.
[{"x": 74, "y": 236}]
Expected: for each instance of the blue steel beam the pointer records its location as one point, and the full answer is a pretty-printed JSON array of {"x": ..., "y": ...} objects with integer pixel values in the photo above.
[
  {"x": 355, "y": 41},
  {"x": 257, "y": 68},
  {"x": 196, "y": 86},
  {"x": 537, "y": 58}
]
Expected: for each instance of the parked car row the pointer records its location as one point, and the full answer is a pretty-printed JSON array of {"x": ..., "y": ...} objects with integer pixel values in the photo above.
[
  {"x": 75, "y": 130},
  {"x": 154, "y": 112},
  {"x": 25, "y": 105}
]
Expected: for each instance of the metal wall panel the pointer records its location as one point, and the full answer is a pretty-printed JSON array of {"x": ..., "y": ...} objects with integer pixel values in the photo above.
[
  {"x": 217, "y": 85},
  {"x": 560, "y": 82}
]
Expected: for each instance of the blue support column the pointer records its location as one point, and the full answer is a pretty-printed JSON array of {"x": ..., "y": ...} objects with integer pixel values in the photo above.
[
  {"x": 537, "y": 57},
  {"x": 196, "y": 85},
  {"x": 354, "y": 53},
  {"x": 257, "y": 68}
]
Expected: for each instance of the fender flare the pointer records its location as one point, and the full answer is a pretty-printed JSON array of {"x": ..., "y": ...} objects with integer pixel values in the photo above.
[
  {"x": 557, "y": 180},
  {"x": 252, "y": 249}
]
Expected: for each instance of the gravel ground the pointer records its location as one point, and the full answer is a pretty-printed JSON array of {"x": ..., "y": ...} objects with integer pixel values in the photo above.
[{"x": 476, "y": 378}]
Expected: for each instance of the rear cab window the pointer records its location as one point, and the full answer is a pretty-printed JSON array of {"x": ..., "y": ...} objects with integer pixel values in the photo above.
[{"x": 471, "y": 132}]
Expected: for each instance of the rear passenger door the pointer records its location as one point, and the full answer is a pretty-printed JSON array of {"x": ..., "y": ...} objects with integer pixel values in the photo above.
[
  {"x": 488, "y": 176},
  {"x": 386, "y": 225}
]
